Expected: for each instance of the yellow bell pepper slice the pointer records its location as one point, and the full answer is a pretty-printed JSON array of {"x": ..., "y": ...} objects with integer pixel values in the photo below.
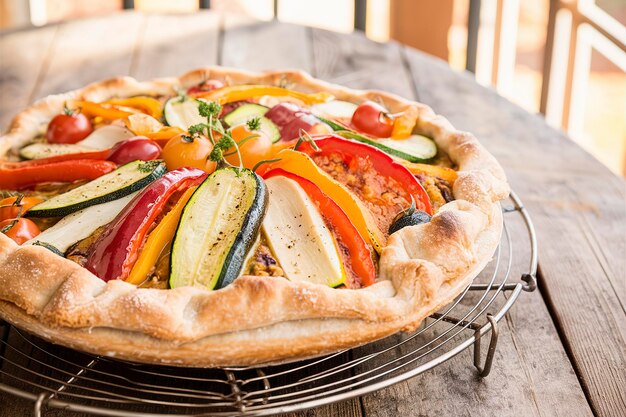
[
  {"x": 242, "y": 92},
  {"x": 300, "y": 164},
  {"x": 91, "y": 109},
  {"x": 404, "y": 124},
  {"x": 157, "y": 240},
  {"x": 147, "y": 105},
  {"x": 447, "y": 174}
]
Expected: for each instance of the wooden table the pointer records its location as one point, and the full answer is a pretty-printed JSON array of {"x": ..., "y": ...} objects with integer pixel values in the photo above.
[{"x": 562, "y": 351}]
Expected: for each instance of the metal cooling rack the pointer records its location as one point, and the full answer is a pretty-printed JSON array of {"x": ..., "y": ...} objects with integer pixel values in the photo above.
[{"x": 53, "y": 377}]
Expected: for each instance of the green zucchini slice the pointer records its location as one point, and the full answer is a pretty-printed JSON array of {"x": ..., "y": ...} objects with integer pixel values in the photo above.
[
  {"x": 46, "y": 150},
  {"x": 415, "y": 148},
  {"x": 116, "y": 184},
  {"x": 182, "y": 112},
  {"x": 246, "y": 112},
  {"x": 80, "y": 225},
  {"x": 103, "y": 138},
  {"x": 217, "y": 229},
  {"x": 336, "y": 127}
]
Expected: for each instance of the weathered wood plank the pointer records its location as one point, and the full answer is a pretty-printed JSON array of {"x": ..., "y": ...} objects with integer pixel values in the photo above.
[
  {"x": 167, "y": 48},
  {"x": 90, "y": 50},
  {"x": 265, "y": 46},
  {"x": 578, "y": 208},
  {"x": 357, "y": 62},
  {"x": 23, "y": 55}
]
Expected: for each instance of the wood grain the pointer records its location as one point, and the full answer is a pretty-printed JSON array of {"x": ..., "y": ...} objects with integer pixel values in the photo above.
[
  {"x": 164, "y": 50},
  {"x": 90, "y": 50},
  {"x": 264, "y": 46},
  {"x": 23, "y": 56},
  {"x": 578, "y": 208},
  {"x": 357, "y": 62}
]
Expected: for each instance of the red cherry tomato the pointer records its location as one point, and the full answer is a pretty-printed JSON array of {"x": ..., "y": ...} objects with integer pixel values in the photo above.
[
  {"x": 20, "y": 231},
  {"x": 68, "y": 128},
  {"x": 208, "y": 85},
  {"x": 139, "y": 147},
  {"x": 372, "y": 119}
]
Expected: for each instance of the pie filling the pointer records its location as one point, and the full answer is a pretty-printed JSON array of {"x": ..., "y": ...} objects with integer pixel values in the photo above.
[{"x": 223, "y": 181}]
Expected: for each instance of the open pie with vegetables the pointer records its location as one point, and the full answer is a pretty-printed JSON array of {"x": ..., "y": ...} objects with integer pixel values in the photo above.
[{"x": 233, "y": 218}]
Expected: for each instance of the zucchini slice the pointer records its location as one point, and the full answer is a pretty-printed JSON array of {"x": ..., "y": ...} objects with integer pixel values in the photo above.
[
  {"x": 246, "y": 112},
  {"x": 298, "y": 236},
  {"x": 336, "y": 127},
  {"x": 415, "y": 148},
  {"x": 103, "y": 138},
  {"x": 80, "y": 225},
  {"x": 116, "y": 184},
  {"x": 45, "y": 150},
  {"x": 182, "y": 112},
  {"x": 218, "y": 227},
  {"x": 335, "y": 109}
]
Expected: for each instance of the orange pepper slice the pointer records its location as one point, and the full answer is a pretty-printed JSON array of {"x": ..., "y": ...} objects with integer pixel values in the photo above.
[
  {"x": 302, "y": 165},
  {"x": 447, "y": 174},
  {"x": 147, "y": 105},
  {"x": 242, "y": 92},
  {"x": 91, "y": 109},
  {"x": 404, "y": 124}
]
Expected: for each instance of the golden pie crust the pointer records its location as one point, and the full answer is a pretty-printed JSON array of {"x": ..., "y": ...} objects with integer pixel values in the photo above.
[{"x": 256, "y": 320}]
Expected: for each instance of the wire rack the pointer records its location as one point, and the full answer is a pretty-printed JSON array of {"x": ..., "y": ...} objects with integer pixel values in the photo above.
[{"x": 54, "y": 377}]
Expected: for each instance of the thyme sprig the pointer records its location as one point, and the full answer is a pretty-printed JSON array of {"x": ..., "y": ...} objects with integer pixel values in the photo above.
[
  {"x": 18, "y": 203},
  {"x": 304, "y": 136},
  {"x": 222, "y": 144}
]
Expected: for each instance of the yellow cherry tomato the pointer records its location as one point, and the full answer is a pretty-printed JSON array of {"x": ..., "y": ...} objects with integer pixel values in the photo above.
[
  {"x": 10, "y": 210},
  {"x": 188, "y": 151},
  {"x": 20, "y": 230},
  {"x": 254, "y": 146}
]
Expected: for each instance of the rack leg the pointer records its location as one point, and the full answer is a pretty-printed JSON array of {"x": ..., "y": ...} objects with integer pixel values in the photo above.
[
  {"x": 484, "y": 370},
  {"x": 41, "y": 399}
]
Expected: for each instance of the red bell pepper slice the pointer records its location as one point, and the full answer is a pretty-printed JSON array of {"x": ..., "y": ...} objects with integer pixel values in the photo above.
[
  {"x": 384, "y": 164},
  {"x": 360, "y": 254},
  {"x": 95, "y": 155},
  {"x": 18, "y": 175},
  {"x": 114, "y": 253}
]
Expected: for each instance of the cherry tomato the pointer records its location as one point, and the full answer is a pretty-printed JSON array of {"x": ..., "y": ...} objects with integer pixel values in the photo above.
[
  {"x": 256, "y": 148},
  {"x": 20, "y": 231},
  {"x": 10, "y": 210},
  {"x": 187, "y": 151},
  {"x": 372, "y": 119},
  {"x": 208, "y": 85},
  {"x": 139, "y": 147},
  {"x": 68, "y": 128}
]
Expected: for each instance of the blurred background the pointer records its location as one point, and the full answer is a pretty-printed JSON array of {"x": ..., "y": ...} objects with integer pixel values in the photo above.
[{"x": 563, "y": 58}]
